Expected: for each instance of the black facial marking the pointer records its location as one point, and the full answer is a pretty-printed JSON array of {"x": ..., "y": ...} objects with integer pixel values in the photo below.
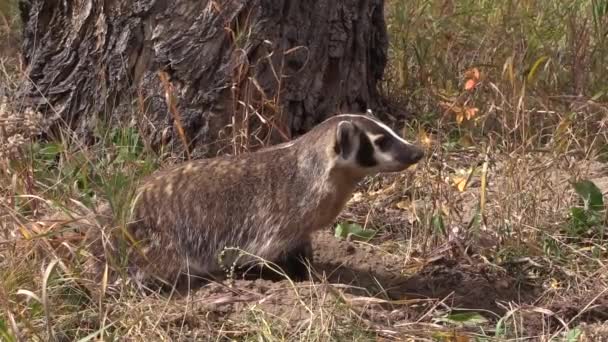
[
  {"x": 344, "y": 145},
  {"x": 383, "y": 143},
  {"x": 365, "y": 155}
]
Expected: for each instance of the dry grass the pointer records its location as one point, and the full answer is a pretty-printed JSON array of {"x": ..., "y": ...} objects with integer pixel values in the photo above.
[{"x": 511, "y": 102}]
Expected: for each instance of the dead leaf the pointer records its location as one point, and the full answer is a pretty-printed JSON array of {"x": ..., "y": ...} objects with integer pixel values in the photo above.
[
  {"x": 451, "y": 336},
  {"x": 466, "y": 141},
  {"x": 357, "y": 197},
  {"x": 462, "y": 112},
  {"x": 563, "y": 126},
  {"x": 554, "y": 284},
  {"x": 470, "y": 84},
  {"x": 472, "y": 73},
  {"x": 462, "y": 178},
  {"x": 472, "y": 78},
  {"x": 460, "y": 182},
  {"x": 403, "y": 204},
  {"x": 560, "y": 136},
  {"x": 216, "y": 6},
  {"x": 424, "y": 138},
  {"x": 471, "y": 112},
  {"x": 450, "y": 106},
  {"x": 24, "y": 232},
  {"x": 508, "y": 70},
  {"x": 459, "y": 117}
]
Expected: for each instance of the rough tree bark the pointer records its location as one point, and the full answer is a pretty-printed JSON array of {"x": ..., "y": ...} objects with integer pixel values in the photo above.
[{"x": 233, "y": 61}]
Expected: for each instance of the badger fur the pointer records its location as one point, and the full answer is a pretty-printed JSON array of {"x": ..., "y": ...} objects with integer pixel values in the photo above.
[{"x": 266, "y": 203}]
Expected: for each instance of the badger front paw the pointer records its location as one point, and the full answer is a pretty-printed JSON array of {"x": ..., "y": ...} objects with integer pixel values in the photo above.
[{"x": 297, "y": 261}]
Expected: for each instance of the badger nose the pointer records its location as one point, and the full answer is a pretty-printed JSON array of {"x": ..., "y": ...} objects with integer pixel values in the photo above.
[{"x": 416, "y": 154}]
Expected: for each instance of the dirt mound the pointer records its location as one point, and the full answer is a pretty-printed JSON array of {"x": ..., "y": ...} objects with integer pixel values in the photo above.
[
  {"x": 375, "y": 284},
  {"x": 589, "y": 307},
  {"x": 586, "y": 309},
  {"x": 457, "y": 283}
]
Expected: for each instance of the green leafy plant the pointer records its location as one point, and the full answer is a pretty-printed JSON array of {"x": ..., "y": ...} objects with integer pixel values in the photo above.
[
  {"x": 5, "y": 333},
  {"x": 353, "y": 231},
  {"x": 591, "y": 215},
  {"x": 438, "y": 224},
  {"x": 573, "y": 335},
  {"x": 467, "y": 318}
]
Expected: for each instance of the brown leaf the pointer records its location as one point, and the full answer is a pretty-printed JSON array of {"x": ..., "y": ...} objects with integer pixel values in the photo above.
[
  {"x": 424, "y": 138},
  {"x": 471, "y": 112},
  {"x": 470, "y": 84},
  {"x": 459, "y": 117},
  {"x": 405, "y": 204},
  {"x": 466, "y": 141},
  {"x": 472, "y": 74}
]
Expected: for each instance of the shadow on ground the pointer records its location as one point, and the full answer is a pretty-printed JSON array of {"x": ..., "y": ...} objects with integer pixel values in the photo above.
[
  {"x": 364, "y": 272},
  {"x": 458, "y": 284}
]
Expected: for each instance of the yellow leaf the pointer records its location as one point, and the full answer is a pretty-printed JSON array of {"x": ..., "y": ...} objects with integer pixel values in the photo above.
[
  {"x": 461, "y": 179},
  {"x": 535, "y": 67},
  {"x": 424, "y": 138},
  {"x": 460, "y": 182},
  {"x": 26, "y": 234},
  {"x": 403, "y": 204},
  {"x": 459, "y": 117}
]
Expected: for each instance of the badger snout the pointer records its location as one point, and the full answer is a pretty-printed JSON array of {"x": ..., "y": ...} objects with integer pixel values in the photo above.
[
  {"x": 415, "y": 154},
  {"x": 409, "y": 155}
]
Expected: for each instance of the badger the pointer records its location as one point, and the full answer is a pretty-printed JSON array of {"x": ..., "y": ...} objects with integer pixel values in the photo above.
[{"x": 265, "y": 204}]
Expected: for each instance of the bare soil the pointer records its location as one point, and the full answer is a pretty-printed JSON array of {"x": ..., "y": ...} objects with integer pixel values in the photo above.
[
  {"x": 363, "y": 270},
  {"x": 380, "y": 274},
  {"x": 383, "y": 291}
]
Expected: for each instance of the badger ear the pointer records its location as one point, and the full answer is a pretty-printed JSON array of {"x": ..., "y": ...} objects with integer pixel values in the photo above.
[{"x": 345, "y": 134}]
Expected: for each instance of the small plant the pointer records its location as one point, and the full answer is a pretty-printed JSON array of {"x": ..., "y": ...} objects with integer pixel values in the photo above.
[
  {"x": 591, "y": 216},
  {"x": 5, "y": 333},
  {"x": 353, "y": 231},
  {"x": 573, "y": 335},
  {"x": 466, "y": 318}
]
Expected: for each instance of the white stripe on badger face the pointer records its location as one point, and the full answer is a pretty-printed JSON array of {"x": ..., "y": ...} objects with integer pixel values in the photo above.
[
  {"x": 380, "y": 124},
  {"x": 381, "y": 156}
]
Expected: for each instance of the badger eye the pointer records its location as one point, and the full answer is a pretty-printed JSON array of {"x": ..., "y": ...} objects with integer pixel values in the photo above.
[{"x": 383, "y": 142}]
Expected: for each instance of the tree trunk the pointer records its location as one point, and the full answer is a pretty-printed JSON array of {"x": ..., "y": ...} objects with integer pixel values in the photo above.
[{"x": 240, "y": 72}]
